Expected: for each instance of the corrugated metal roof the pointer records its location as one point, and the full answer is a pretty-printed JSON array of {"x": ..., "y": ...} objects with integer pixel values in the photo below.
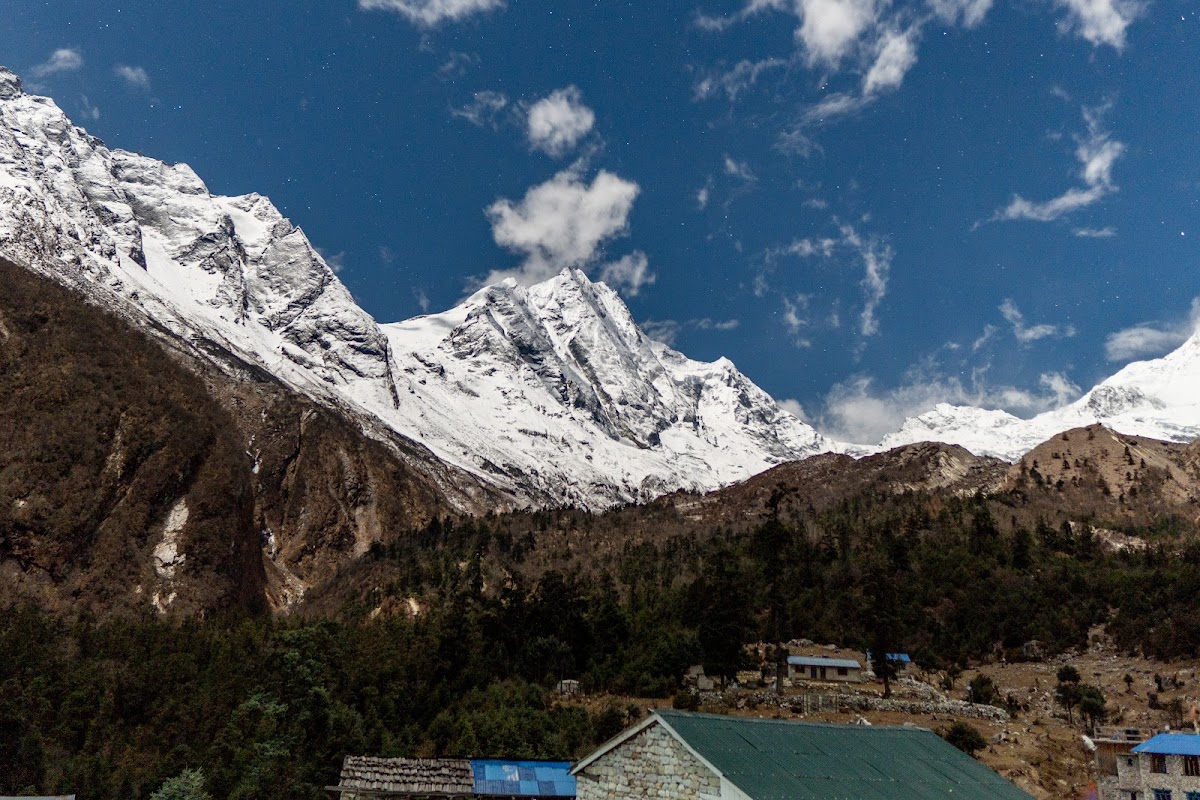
[
  {"x": 900, "y": 657},
  {"x": 1171, "y": 744},
  {"x": 779, "y": 760},
  {"x": 820, "y": 661},
  {"x": 523, "y": 778}
]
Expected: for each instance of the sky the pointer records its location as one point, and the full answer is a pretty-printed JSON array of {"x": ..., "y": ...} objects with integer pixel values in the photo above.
[{"x": 870, "y": 206}]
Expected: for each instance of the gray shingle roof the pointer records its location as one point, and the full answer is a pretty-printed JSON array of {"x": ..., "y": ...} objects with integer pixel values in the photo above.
[{"x": 423, "y": 776}]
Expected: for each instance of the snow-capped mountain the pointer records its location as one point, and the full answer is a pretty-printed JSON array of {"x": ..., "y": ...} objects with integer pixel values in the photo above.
[
  {"x": 551, "y": 394},
  {"x": 1159, "y": 399}
]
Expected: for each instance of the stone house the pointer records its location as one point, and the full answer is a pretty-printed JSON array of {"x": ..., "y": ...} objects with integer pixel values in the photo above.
[
  {"x": 367, "y": 778},
  {"x": 821, "y": 668},
  {"x": 1164, "y": 767},
  {"x": 673, "y": 755}
]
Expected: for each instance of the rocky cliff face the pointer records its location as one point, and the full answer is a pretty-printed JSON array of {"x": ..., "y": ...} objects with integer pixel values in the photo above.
[
  {"x": 136, "y": 476},
  {"x": 550, "y": 395}
]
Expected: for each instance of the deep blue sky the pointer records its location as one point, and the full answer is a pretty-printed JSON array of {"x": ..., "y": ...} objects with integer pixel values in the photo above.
[{"x": 868, "y": 206}]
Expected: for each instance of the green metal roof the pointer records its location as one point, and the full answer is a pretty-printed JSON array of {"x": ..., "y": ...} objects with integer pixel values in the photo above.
[{"x": 779, "y": 760}]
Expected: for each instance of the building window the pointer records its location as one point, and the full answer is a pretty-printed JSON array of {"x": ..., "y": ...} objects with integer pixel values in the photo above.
[
  {"x": 1158, "y": 763},
  {"x": 1191, "y": 767},
  {"x": 843, "y": 671},
  {"x": 1162, "y": 794}
]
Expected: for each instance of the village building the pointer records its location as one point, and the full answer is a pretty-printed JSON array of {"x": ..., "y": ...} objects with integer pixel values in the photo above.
[
  {"x": 672, "y": 755},
  {"x": 1113, "y": 744},
  {"x": 367, "y": 778},
  {"x": 900, "y": 662},
  {"x": 821, "y": 668},
  {"x": 1164, "y": 767}
]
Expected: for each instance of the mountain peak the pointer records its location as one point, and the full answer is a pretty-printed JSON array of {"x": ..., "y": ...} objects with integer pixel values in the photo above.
[{"x": 10, "y": 84}]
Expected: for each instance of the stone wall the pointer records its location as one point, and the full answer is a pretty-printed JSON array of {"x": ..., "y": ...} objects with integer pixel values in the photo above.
[
  {"x": 652, "y": 764},
  {"x": 1173, "y": 780}
]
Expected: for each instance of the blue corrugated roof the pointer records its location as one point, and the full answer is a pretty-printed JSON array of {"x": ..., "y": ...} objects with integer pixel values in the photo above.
[
  {"x": 1171, "y": 744},
  {"x": 901, "y": 657},
  {"x": 818, "y": 661},
  {"x": 523, "y": 778}
]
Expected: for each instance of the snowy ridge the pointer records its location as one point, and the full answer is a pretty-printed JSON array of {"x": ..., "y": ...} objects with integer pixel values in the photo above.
[
  {"x": 551, "y": 393},
  {"x": 1159, "y": 399}
]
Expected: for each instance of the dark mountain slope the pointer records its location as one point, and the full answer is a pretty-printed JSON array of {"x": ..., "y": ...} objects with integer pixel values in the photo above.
[{"x": 138, "y": 474}]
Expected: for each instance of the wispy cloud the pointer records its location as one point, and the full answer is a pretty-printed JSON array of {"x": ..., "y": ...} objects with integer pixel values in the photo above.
[
  {"x": 136, "y": 77},
  {"x": 736, "y": 79},
  {"x": 739, "y": 169},
  {"x": 564, "y": 222},
  {"x": 484, "y": 108},
  {"x": 1097, "y": 152},
  {"x": 1100, "y": 21},
  {"x": 430, "y": 13},
  {"x": 1095, "y": 233},
  {"x": 1028, "y": 334},
  {"x": 1151, "y": 339},
  {"x": 556, "y": 123},
  {"x": 872, "y": 252},
  {"x": 967, "y": 13},
  {"x": 88, "y": 111},
  {"x": 65, "y": 59},
  {"x": 858, "y": 410},
  {"x": 667, "y": 330},
  {"x": 629, "y": 273}
]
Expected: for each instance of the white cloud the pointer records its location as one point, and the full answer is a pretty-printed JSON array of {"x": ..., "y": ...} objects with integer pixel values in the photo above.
[
  {"x": 703, "y": 195},
  {"x": 668, "y": 330},
  {"x": 428, "y": 13},
  {"x": 737, "y": 79},
  {"x": 856, "y": 410},
  {"x": 751, "y": 8},
  {"x": 134, "y": 76},
  {"x": 794, "y": 408},
  {"x": 836, "y": 105},
  {"x": 1027, "y": 334},
  {"x": 877, "y": 263},
  {"x": 64, "y": 59},
  {"x": 559, "y": 121},
  {"x": 483, "y": 109},
  {"x": 335, "y": 261},
  {"x": 1148, "y": 340},
  {"x": 897, "y": 54},
  {"x": 969, "y": 12},
  {"x": 830, "y": 28},
  {"x": 1100, "y": 21},
  {"x": 1095, "y": 233},
  {"x": 561, "y": 223},
  {"x": 630, "y": 273},
  {"x": 794, "y": 316},
  {"x": 739, "y": 169},
  {"x": 89, "y": 111},
  {"x": 1097, "y": 153},
  {"x": 661, "y": 330},
  {"x": 875, "y": 255},
  {"x": 796, "y": 142}
]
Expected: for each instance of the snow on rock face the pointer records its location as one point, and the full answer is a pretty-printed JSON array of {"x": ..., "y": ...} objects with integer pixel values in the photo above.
[
  {"x": 1159, "y": 399},
  {"x": 557, "y": 394},
  {"x": 551, "y": 393}
]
